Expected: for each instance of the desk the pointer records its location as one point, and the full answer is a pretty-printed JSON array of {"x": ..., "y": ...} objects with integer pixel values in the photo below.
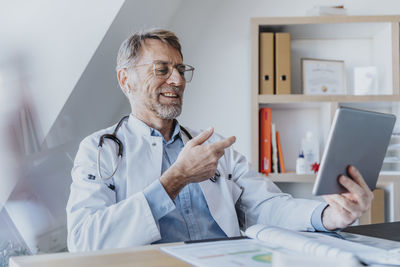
[
  {"x": 136, "y": 256},
  {"x": 152, "y": 256},
  {"x": 390, "y": 231}
]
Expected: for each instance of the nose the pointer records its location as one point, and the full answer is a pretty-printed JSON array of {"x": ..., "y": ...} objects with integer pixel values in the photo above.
[{"x": 175, "y": 78}]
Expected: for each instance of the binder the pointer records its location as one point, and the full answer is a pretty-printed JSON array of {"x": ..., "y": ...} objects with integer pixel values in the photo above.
[
  {"x": 282, "y": 63},
  {"x": 281, "y": 164},
  {"x": 266, "y": 63},
  {"x": 265, "y": 140}
]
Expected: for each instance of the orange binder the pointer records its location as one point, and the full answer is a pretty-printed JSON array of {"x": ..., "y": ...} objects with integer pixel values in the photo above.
[
  {"x": 266, "y": 63},
  {"x": 282, "y": 63},
  {"x": 280, "y": 154},
  {"x": 265, "y": 140}
]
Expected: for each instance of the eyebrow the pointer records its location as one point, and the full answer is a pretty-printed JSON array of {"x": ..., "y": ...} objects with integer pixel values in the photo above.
[{"x": 165, "y": 61}]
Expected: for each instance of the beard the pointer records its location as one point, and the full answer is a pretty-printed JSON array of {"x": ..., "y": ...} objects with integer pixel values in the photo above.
[{"x": 165, "y": 111}]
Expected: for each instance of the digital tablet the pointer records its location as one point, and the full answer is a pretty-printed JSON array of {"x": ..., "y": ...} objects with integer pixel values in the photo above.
[{"x": 358, "y": 138}]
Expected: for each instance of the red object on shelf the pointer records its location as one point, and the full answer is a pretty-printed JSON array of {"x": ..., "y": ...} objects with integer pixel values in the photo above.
[
  {"x": 265, "y": 140},
  {"x": 315, "y": 167}
]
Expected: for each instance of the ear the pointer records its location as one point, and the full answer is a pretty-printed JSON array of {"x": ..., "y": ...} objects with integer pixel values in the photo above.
[{"x": 122, "y": 76}]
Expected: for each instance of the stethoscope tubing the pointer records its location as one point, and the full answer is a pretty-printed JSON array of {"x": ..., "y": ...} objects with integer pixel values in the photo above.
[{"x": 114, "y": 138}]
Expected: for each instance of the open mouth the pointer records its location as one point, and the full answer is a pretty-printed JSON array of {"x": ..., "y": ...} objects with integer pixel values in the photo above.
[{"x": 170, "y": 95}]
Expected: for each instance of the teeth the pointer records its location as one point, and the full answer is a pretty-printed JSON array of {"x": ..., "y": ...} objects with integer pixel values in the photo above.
[{"x": 170, "y": 94}]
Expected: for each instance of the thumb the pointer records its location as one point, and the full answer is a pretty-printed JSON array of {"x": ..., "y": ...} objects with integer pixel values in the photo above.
[{"x": 202, "y": 137}]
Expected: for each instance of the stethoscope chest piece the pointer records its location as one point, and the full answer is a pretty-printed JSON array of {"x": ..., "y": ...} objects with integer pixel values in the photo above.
[{"x": 215, "y": 177}]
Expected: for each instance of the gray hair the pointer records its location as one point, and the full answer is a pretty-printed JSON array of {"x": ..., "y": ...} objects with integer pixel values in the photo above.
[{"x": 130, "y": 49}]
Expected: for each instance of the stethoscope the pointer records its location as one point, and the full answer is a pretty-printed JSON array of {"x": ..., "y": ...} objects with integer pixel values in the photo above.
[{"x": 116, "y": 140}]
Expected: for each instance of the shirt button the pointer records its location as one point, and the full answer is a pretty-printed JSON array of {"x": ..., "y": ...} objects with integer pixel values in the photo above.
[
  {"x": 187, "y": 211},
  {"x": 153, "y": 144}
]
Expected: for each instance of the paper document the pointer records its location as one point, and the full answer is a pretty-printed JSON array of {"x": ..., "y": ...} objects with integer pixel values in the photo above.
[
  {"x": 319, "y": 244},
  {"x": 274, "y": 246},
  {"x": 249, "y": 252},
  {"x": 243, "y": 252}
]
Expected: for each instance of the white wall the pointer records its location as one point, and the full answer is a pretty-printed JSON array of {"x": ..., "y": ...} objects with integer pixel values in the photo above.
[
  {"x": 216, "y": 40},
  {"x": 44, "y": 48},
  {"x": 55, "y": 40}
]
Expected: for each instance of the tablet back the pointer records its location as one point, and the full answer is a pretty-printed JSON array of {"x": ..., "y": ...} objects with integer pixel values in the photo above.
[{"x": 358, "y": 138}]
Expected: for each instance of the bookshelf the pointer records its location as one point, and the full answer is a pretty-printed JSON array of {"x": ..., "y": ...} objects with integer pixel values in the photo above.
[{"x": 358, "y": 41}]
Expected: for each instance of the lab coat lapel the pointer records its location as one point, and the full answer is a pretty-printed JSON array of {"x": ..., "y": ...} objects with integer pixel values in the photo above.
[
  {"x": 221, "y": 207},
  {"x": 144, "y": 157},
  {"x": 219, "y": 202}
]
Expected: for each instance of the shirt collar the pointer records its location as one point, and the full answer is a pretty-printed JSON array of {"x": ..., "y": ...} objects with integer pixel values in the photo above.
[
  {"x": 140, "y": 127},
  {"x": 175, "y": 134}
]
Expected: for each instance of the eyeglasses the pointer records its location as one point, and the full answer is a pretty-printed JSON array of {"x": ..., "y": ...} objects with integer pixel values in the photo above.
[{"x": 164, "y": 69}]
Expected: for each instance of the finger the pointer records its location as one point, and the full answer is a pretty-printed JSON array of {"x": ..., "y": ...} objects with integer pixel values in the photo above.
[
  {"x": 349, "y": 196},
  {"x": 341, "y": 216},
  {"x": 345, "y": 216},
  {"x": 331, "y": 201},
  {"x": 221, "y": 145},
  {"x": 202, "y": 137},
  {"x": 357, "y": 195},
  {"x": 354, "y": 188},
  {"x": 346, "y": 204},
  {"x": 356, "y": 175}
]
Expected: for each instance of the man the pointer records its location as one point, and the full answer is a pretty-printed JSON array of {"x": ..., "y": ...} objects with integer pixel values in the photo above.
[{"x": 161, "y": 190}]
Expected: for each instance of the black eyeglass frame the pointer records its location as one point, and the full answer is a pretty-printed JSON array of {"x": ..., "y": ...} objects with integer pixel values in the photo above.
[{"x": 187, "y": 69}]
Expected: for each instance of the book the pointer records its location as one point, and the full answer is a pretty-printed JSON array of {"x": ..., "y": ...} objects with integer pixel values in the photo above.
[
  {"x": 281, "y": 164},
  {"x": 329, "y": 245},
  {"x": 274, "y": 149},
  {"x": 265, "y": 140},
  {"x": 270, "y": 244}
]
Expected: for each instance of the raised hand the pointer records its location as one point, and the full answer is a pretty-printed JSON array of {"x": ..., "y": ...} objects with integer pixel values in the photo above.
[{"x": 196, "y": 162}]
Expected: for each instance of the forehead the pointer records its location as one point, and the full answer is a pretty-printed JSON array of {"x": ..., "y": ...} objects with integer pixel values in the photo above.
[{"x": 157, "y": 50}]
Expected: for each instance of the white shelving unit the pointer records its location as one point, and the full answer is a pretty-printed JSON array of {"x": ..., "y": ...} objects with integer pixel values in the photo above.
[{"x": 358, "y": 41}]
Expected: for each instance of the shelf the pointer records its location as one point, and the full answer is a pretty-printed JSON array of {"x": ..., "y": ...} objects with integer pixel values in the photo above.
[
  {"x": 310, "y": 178},
  {"x": 267, "y": 99},
  {"x": 292, "y": 177},
  {"x": 322, "y": 20}
]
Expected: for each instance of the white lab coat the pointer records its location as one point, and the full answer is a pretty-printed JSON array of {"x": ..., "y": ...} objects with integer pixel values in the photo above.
[{"x": 100, "y": 218}]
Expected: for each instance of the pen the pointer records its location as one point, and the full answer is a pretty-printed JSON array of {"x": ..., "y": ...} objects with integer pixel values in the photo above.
[{"x": 215, "y": 239}]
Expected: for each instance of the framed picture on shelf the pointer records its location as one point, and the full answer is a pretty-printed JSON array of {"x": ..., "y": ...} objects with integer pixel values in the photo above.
[{"x": 322, "y": 77}]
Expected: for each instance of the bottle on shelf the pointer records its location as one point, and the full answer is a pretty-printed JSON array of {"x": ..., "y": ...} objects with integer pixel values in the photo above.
[
  {"x": 300, "y": 164},
  {"x": 310, "y": 148}
]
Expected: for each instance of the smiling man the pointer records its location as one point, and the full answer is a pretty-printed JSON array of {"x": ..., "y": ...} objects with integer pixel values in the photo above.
[{"x": 149, "y": 180}]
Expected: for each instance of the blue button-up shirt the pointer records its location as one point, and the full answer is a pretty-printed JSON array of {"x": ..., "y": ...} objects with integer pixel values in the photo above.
[{"x": 188, "y": 216}]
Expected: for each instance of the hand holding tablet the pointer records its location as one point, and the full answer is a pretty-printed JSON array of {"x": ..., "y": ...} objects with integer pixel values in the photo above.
[
  {"x": 359, "y": 138},
  {"x": 351, "y": 163},
  {"x": 345, "y": 208}
]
